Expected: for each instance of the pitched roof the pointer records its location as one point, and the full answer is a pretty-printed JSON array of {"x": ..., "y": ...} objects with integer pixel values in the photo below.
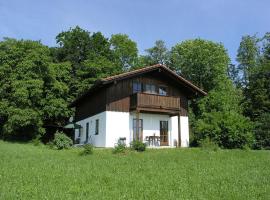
[{"x": 137, "y": 72}]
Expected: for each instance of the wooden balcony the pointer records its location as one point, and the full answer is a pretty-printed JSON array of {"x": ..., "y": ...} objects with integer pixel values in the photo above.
[{"x": 155, "y": 103}]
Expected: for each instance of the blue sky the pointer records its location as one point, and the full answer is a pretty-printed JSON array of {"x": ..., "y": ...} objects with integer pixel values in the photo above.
[{"x": 145, "y": 21}]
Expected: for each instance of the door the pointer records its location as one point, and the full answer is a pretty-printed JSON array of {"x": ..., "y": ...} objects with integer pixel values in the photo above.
[
  {"x": 137, "y": 129},
  {"x": 164, "y": 133}
]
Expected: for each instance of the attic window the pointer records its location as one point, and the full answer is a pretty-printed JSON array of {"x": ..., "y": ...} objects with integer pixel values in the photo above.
[
  {"x": 137, "y": 87},
  {"x": 162, "y": 91},
  {"x": 150, "y": 88}
]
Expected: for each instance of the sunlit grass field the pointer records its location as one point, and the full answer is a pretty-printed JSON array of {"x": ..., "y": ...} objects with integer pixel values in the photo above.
[{"x": 37, "y": 172}]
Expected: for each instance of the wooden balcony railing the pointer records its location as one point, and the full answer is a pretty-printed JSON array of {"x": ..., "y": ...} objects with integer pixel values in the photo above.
[{"x": 145, "y": 101}]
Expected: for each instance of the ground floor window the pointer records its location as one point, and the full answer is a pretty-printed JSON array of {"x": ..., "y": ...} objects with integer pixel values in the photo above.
[
  {"x": 97, "y": 127},
  {"x": 137, "y": 128}
]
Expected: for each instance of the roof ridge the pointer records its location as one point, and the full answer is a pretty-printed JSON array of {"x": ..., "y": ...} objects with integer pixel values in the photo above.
[{"x": 131, "y": 72}]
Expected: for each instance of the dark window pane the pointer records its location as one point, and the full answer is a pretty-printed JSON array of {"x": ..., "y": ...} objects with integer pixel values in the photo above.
[
  {"x": 162, "y": 91},
  {"x": 97, "y": 127},
  {"x": 149, "y": 88},
  {"x": 137, "y": 87}
]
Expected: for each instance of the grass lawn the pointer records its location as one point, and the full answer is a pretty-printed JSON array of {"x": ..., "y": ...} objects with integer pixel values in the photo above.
[{"x": 36, "y": 172}]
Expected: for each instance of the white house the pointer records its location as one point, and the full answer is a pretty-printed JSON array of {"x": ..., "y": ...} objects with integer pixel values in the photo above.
[{"x": 148, "y": 104}]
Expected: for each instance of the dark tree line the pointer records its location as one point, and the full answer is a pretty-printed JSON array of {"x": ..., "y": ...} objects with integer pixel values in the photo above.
[{"x": 37, "y": 83}]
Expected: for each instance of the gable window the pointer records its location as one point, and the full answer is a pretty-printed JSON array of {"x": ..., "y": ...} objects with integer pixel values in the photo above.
[
  {"x": 97, "y": 127},
  {"x": 150, "y": 88},
  {"x": 162, "y": 91},
  {"x": 137, "y": 87}
]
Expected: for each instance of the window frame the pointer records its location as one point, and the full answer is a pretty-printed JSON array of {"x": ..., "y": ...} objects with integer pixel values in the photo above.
[
  {"x": 164, "y": 88},
  {"x": 136, "y": 87},
  {"x": 152, "y": 88},
  {"x": 96, "y": 126}
]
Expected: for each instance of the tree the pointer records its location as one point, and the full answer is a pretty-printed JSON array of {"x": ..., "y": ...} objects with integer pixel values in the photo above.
[
  {"x": 217, "y": 116},
  {"x": 74, "y": 46},
  {"x": 29, "y": 83},
  {"x": 220, "y": 118},
  {"x": 201, "y": 61},
  {"x": 255, "y": 66},
  {"x": 247, "y": 56},
  {"x": 158, "y": 54},
  {"x": 125, "y": 51}
]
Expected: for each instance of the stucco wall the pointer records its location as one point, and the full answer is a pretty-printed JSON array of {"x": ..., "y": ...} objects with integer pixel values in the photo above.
[
  {"x": 117, "y": 125},
  {"x": 113, "y": 125},
  {"x": 184, "y": 131},
  {"x": 96, "y": 140}
]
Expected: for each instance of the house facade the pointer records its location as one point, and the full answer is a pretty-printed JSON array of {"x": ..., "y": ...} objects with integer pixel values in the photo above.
[{"x": 148, "y": 104}]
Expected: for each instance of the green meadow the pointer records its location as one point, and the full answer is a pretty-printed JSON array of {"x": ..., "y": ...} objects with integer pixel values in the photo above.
[{"x": 37, "y": 172}]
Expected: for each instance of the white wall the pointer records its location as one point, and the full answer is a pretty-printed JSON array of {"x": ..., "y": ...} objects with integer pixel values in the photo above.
[
  {"x": 184, "y": 131},
  {"x": 113, "y": 125},
  {"x": 117, "y": 125},
  {"x": 174, "y": 129},
  {"x": 97, "y": 140},
  {"x": 151, "y": 126}
]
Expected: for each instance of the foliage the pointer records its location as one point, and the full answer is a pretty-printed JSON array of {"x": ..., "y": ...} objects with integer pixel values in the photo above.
[
  {"x": 33, "y": 90},
  {"x": 247, "y": 56},
  {"x": 158, "y": 54},
  {"x": 36, "y": 141},
  {"x": 119, "y": 148},
  {"x": 203, "y": 62},
  {"x": 221, "y": 119},
  {"x": 125, "y": 50},
  {"x": 256, "y": 88},
  {"x": 262, "y": 132},
  {"x": 138, "y": 145},
  {"x": 208, "y": 144},
  {"x": 87, "y": 150},
  {"x": 61, "y": 141},
  {"x": 156, "y": 174}
]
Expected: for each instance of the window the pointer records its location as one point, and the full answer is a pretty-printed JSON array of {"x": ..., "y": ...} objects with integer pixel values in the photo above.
[
  {"x": 150, "y": 88},
  {"x": 137, "y": 128},
  {"x": 137, "y": 87},
  {"x": 87, "y": 131},
  {"x": 162, "y": 91},
  {"x": 97, "y": 127}
]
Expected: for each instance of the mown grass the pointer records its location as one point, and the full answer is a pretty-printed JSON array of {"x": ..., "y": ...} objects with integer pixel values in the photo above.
[{"x": 36, "y": 172}]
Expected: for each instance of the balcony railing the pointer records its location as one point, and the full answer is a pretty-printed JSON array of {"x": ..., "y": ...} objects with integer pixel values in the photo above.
[{"x": 152, "y": 101}]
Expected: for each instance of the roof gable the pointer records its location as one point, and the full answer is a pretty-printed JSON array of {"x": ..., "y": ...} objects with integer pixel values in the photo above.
[{"x": 168, "y": 72}]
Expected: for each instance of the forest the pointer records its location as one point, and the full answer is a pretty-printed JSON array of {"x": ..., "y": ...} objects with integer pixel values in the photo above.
[{"x": 37, "y": 83}]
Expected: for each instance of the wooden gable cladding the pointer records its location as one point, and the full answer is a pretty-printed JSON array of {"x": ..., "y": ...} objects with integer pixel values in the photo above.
[
  {"x": 120, "y": 93},
  {"x": 91, "y": 105},
  {"x": 118, "y": 96},
  {"x": 115, "y": 93}
]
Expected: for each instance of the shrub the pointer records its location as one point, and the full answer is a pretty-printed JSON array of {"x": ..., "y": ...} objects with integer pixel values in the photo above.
[
  {"x": 36, "y": 141},
  {"x": 61, "y": 141},
  {"x": 208, "y": 144},
  {"x": 87, "y": 149},
  {"x": 138, "y": 145},
  {"x": 119, "y": 148}
]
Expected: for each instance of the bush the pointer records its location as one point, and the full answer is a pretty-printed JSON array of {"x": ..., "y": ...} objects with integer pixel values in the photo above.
[
  {"x": 208, "y": 144},
  {"x": 61, "y": 141},
  {"x": 262, "y": 132},
  {"x": 138, "y": 145},
  {"x": 119, "y": 148},
  {"x": 36, "y": 141},
  {"x": 87, "y": 149}
]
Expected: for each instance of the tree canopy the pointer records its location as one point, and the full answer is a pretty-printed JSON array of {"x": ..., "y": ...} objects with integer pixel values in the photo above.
[{"x": 37, "y": 82}]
